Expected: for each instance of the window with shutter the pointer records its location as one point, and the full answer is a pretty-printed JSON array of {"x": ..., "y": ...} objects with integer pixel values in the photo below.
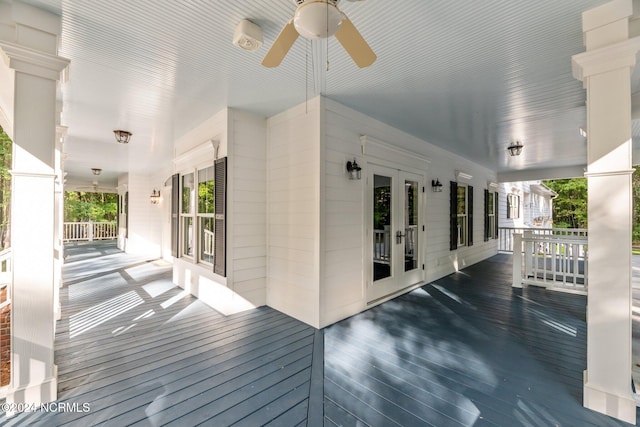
[
  {"x": 469, "y": 203},
  {"x": 453, "y": 215}
]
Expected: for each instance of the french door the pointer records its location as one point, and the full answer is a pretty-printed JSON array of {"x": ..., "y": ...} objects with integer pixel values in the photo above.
[{"x": 395, "y": 230}]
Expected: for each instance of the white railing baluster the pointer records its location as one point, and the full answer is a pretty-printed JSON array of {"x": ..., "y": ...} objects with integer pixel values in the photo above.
[
  {"x": 88, "y": 231},
  {"x": 561, "y": 255},
  {"x": 505, "y": 233}
]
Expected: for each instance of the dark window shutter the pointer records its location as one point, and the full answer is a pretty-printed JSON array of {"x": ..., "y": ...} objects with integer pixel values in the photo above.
[
  {"x": 486, "y": 216},
  {"x": 118, "y": 213},
  {"x": 126, "y": 212},
  {"x": 220, "y": 236},
  {"x": 496, "y": 199},
  {"x": 470, "y": 215},
  {"x": 453, "y": 216},
  {"x": 175, "y": 215}
]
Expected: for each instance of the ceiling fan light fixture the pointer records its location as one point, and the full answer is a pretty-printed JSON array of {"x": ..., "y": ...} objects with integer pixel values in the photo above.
[{"x": 317, "y": 20}]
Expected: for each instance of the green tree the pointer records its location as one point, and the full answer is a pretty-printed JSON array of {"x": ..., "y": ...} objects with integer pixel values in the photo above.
[
  {"x": 636, "y": 205},
  {"x": 570, "y": 207},
  {"x": 6, "y": 147},
  {"x": 80, "y": 206}
]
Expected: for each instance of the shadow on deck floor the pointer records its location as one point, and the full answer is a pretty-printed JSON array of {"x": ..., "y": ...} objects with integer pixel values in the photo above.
[{"x": 466, "y": 350}]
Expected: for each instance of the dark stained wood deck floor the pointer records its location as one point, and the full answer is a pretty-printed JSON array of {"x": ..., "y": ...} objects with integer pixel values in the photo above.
[
  {"x": 466, "y": 350},
  {"x": 139, "y": 351}
]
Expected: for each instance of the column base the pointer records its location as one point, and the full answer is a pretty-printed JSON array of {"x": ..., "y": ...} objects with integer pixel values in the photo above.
[
  {"x": 620, "y": 407},
  {"x": 34, "y": 394}
]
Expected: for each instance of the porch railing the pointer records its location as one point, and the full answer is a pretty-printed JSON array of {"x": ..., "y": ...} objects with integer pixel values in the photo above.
[
  {"x": 505, "y": 234},
  {"x": 382, "y": 243},
  {"x": 554, "y": 261},
  {"x": 89, "y": 231},
  {"x": 208, "y": 242}
]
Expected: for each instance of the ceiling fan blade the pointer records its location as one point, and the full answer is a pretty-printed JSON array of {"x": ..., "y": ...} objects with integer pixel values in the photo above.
[
  {"x": 355, "y": 45},
  {"x": 281, "y": 46}
]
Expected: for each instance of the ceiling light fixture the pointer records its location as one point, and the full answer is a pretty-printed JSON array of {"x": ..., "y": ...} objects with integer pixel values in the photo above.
[
  {"x": 96, "y": 171},
  {"x": 318, "y": 19},
  {"x": 515, "y": 148},
  {"x": 122, "y": 136}
]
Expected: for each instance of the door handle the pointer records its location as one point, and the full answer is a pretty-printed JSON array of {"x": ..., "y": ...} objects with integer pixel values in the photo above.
[{"x": 399, "y": 236}]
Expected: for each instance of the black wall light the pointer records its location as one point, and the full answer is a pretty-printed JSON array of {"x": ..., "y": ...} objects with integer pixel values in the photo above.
[
  {"x": 355, "y": 171},
  {"x": 436, "y": 185}
]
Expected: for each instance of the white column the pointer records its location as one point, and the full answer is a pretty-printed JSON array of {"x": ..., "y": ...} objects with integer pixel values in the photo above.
[
  {"x": 58, "y": 249},
  {"x": 29, "y": 53},
  {"x": 605, "y": 69}
]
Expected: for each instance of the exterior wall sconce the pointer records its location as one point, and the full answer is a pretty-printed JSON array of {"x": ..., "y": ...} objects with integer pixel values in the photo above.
[
  {"x": 155, "y": 197},
  {"x": 122, "y": 136},
  {"x": 515, "y": 148},
  {"x": 436, "y": 186},
  {"x": 355, "y": 171},
  {"x": 96, "y": 171}
]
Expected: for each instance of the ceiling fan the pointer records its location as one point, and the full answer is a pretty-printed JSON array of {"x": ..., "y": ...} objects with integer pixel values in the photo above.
[
  {"x": 318, "y": 19},
  {"x": 94, "y": 188}
]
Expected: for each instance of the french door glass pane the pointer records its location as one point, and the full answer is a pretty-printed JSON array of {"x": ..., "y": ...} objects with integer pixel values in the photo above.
[
  {"x": 382, "y": 239},
  {"x": 411, "y": 225}
]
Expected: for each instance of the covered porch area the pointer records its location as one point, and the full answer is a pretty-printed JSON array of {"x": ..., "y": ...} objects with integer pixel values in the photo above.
[{"x": 467, "y": 350}]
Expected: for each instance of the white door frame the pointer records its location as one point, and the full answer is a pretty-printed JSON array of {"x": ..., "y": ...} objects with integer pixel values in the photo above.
[{"x": 399, "y": 279}]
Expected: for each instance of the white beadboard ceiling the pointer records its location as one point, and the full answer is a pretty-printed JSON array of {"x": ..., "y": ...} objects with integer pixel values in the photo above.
[{"x": 469, "y": 76}]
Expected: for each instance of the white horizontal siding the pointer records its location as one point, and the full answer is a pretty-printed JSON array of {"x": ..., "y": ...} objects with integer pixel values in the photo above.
[
  {"x": 248, "y": 207},
  {"x": 345, "y": 264},
  {"x": 293, "y": 212}
]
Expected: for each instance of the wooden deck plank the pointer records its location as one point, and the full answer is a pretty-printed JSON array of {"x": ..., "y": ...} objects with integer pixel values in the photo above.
[
  {"x": 188, "y": 381},
  {"x": 167, "y": 345},
  {"x": 293, "y": 417},
  {"x": 204, "y": 407}
]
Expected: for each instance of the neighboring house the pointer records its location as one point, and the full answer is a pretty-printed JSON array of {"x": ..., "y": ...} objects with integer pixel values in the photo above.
[{"x": 525, "y": 204}]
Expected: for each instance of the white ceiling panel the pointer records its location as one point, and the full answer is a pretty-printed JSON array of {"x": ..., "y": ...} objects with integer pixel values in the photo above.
[{"x": 467, "y": 76}]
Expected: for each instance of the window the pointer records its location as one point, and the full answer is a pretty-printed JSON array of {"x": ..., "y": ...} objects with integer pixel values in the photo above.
[
  {"x": 187, "y": 199},
  {"x": 513, "y": 206},
  {"x": 206, "y": 214},
  {"x": 490, "y": 215},
  {"x": 462, "y": 215},
  {"x": 198, "y": 220}
]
